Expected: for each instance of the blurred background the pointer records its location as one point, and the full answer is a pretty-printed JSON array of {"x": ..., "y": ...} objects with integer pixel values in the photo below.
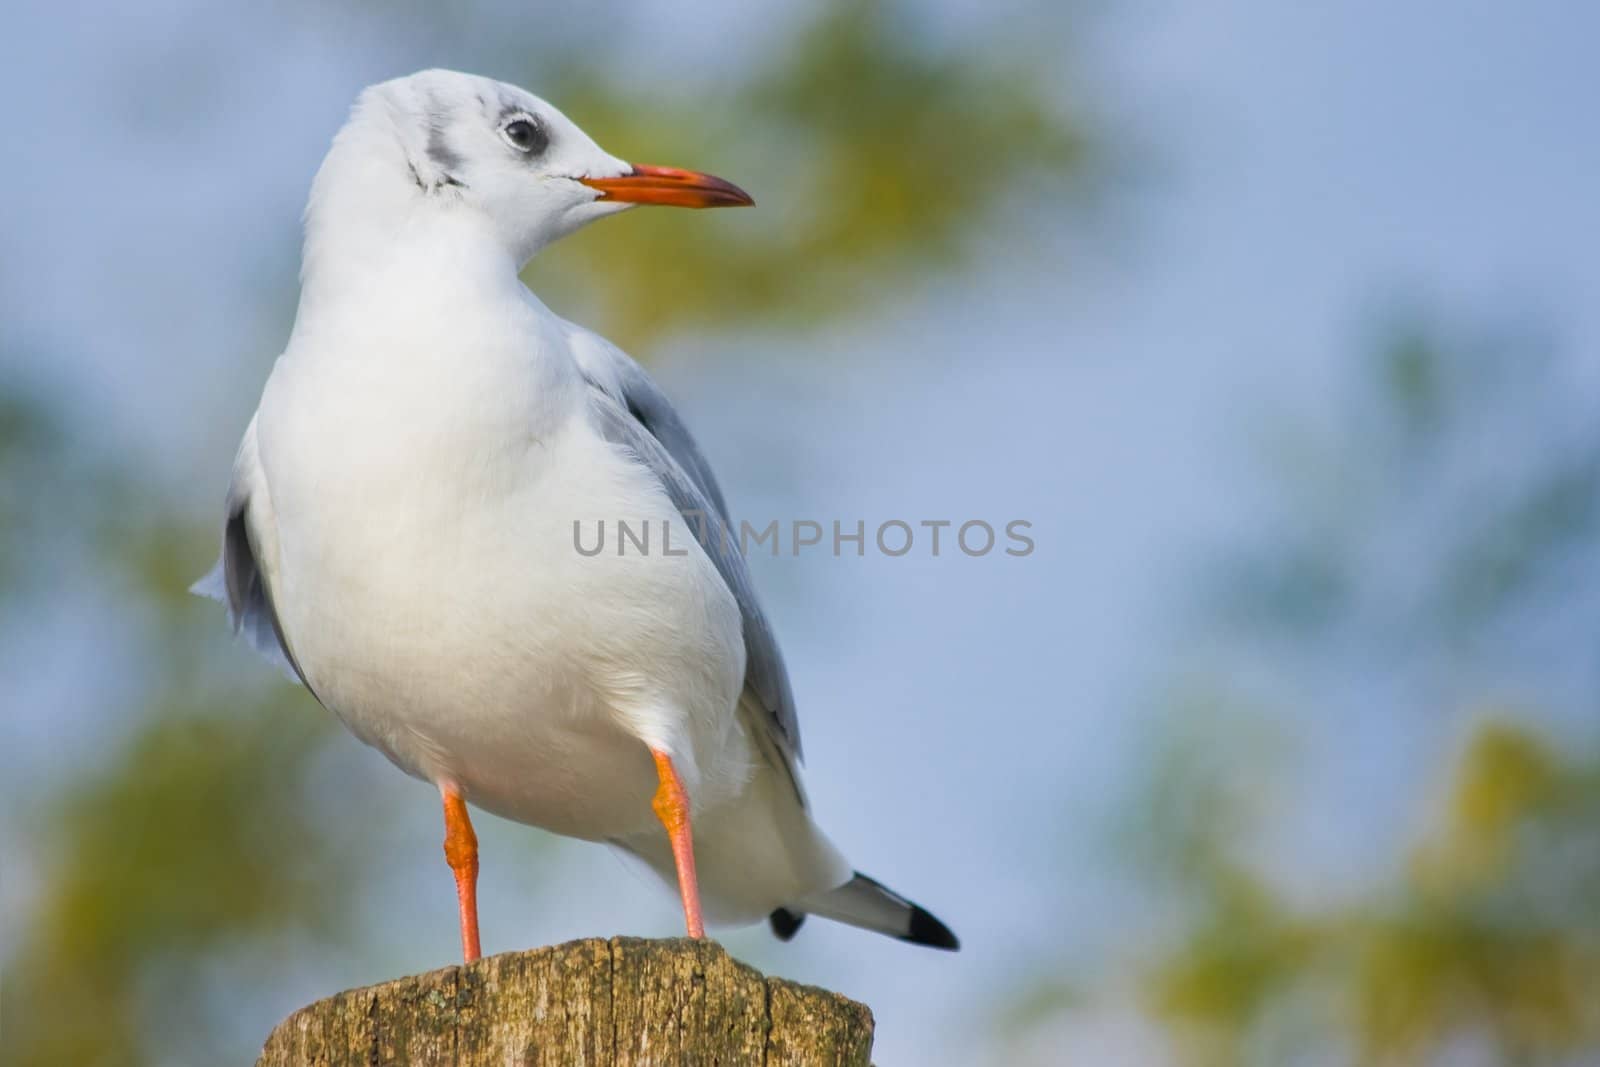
[{"x": 1279, "y": 323}]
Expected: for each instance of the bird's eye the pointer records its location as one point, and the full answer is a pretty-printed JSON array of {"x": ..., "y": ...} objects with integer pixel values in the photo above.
[{"x": 525, "y": 135}]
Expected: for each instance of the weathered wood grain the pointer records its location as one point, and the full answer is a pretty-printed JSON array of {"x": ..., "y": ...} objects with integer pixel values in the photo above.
[{"x": 624, "y": 1002}]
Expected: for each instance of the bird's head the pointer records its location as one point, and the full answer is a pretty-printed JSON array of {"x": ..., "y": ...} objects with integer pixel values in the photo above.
[{"x": 456, "y": 142}]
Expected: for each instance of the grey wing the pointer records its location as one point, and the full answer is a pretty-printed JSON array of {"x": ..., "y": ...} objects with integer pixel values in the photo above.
[
  {"x": 237, "y": 581},
  {"x": 632, "y": 412}
]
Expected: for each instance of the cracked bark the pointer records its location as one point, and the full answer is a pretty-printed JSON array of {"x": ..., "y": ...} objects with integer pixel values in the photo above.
[{"x": 623, "y": 1002}]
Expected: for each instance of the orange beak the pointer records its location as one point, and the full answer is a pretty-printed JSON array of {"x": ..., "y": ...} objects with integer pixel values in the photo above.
[{"x": 671, "y": 187}]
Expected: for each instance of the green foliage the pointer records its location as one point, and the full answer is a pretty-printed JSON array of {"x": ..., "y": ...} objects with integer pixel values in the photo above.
[
  {"x": 191, "y": 838},
  {"x": 27, "y": 437},
  {"x": 1492, "y": 931},
  {"x": 1489, "y": 931},
  {"x": 1456, "y": 462},
  {"x": 50, "y": 497},
  {"x": 198, "y": 839},
  {"x": 873, "y": 157}
]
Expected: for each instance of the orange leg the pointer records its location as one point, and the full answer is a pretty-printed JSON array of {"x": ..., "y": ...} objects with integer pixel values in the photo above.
[
  {"x": 671, "y": 805},
  {"x": 461, "y": 852}
]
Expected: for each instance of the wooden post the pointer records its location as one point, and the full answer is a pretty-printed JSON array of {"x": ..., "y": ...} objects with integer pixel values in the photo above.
[{"x": 625, "y": 1001}]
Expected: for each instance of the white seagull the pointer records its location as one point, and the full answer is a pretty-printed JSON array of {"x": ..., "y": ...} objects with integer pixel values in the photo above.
[{"x": 400, "y": 529}]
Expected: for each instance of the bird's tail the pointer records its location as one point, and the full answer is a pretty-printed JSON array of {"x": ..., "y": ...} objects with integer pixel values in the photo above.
[{"x": 871, "y": 905}]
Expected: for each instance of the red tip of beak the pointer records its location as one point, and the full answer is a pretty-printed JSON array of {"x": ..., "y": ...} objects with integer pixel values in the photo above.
[{"x": 671, "y": 187}]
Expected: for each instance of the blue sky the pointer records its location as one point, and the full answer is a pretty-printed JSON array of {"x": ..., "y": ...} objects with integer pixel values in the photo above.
[{"x": 968, "y": 722}]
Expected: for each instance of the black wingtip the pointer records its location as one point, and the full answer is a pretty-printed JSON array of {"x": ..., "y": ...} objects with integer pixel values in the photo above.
[
  {"x": 923, "y": 929},
  {"x": 786, "y": 923},
  {"x": 927, "y": 930}
]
